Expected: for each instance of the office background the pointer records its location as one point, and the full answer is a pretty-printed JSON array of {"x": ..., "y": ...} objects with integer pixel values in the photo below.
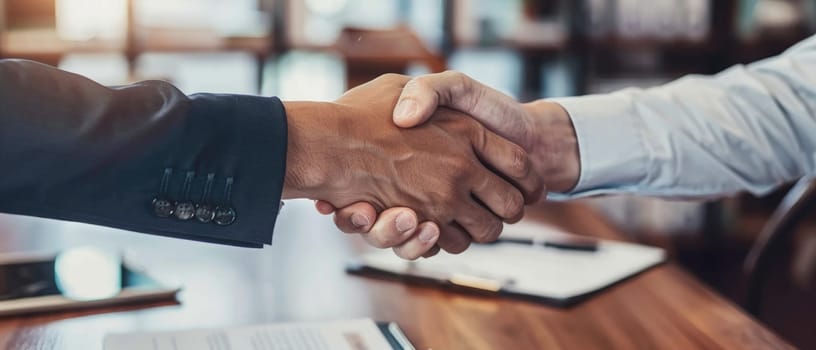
[{"x": 316, "y": 49}]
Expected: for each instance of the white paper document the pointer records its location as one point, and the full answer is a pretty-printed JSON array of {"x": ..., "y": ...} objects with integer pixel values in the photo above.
[
  {"x": 362, "y": 334},
  {"x": 534, "y": 270}
]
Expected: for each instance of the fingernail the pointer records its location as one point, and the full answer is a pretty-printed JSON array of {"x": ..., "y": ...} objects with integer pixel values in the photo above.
[
  {"x": 405, "y": 109},
  {"x": 428, "y": 234},
  {"x": 405, "y": 222},
  {"x": 359, "y": 220}
]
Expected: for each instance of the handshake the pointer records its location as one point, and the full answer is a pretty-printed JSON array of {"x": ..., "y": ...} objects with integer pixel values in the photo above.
[{"x": 434, "y": 162}]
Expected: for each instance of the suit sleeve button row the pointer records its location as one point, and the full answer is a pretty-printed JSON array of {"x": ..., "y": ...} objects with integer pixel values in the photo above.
[{"x": 185, "y": 209}]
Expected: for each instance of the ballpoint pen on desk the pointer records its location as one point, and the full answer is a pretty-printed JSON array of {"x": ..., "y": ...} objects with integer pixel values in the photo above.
[{"x": 576, "y": 244}]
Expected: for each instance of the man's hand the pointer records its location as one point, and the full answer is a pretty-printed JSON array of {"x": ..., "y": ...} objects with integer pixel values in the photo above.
[
  {"x": 350, "y": 151},
  {"x": 542, "y": 128}
]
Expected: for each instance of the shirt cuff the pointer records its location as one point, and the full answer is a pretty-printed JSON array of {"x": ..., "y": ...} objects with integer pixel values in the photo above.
[{"x": 612, "y": 150}]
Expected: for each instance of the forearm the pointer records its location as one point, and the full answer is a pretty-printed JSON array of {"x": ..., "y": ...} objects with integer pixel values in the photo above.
[
  {"x": 748, "y": 128},
  {"x": 76, "y": 150}
]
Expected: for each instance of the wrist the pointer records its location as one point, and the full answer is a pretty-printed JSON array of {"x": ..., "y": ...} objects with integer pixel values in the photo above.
[
  {"x": 309, "y": 156},
  {"x": 555, "y": 152}
]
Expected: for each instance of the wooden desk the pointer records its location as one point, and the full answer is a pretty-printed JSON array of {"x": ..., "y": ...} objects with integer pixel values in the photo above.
[{"x": 301, "y": 278}]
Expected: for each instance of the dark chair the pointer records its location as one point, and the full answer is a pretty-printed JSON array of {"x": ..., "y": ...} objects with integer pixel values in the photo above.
[{"x": 795, "y": 206}]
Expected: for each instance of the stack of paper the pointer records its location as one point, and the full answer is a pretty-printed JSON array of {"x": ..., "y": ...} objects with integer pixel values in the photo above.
[{"x": 362, "y": 334}]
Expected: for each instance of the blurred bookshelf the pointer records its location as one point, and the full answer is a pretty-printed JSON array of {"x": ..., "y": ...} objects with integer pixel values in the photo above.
[
  {"x": 528, "y": 49},
  {"x": 666, "y": 39},
  {"x": 595, "y": 41}
]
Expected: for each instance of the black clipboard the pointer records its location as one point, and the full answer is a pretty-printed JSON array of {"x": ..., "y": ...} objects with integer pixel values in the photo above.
[{"x": 360, "y": 269}]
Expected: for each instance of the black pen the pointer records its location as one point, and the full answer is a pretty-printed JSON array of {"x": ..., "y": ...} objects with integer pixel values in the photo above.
[{"x": 583, "y": 245}]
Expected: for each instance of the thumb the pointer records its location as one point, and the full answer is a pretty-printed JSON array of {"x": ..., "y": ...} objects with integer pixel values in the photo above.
[
  {"x": 416, "y": 104},
  {"x": 422, "y": 95}
]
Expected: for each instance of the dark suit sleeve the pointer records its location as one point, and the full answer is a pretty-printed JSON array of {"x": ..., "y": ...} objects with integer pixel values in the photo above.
[{"x": 74, "y": 150}]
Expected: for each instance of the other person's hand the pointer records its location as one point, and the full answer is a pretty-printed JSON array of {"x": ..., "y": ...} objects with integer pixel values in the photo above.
[
  {"x": 542, "y": 128},
  {"x": 350, "y": 151}
]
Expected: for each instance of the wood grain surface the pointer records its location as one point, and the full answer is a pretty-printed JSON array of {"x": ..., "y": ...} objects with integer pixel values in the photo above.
[{"x": 301, "y": 278}]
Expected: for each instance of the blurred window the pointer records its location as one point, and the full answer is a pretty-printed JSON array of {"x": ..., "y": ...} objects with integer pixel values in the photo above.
[
  {"x": 319, "y": 22},
  {"x": 91, "y": 19},
  {"x": 498, "y": 68},
  {"x": 234, "y": 17}
]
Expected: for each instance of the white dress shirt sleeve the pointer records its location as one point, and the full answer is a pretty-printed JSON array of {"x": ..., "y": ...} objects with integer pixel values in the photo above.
[{"x": 748, "y": 128}]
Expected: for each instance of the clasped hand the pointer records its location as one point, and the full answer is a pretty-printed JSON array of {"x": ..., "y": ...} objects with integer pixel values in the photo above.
[
  {"x": 460, "y": 178},
  {"x": 542, "y": 128}
]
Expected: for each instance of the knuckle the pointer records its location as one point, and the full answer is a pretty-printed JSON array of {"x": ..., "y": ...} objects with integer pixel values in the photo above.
[
  {"x": 458, "y": 76},
  {"x": 457, "y": 247},
  {"x": 434, "y": 210},
  {"x": 446, "y": 194},
  {"x": 480, "y": 136},
  {"x": 520, "y": 162},
  {"x": 439, "y": 208},
  {"x": 513, "y": 205},
  {"x": 380, "y": 239},
  {"x": 463, "y": 84},
  {"x": 515, "y": 219},
  {"x": 493, "y": 228},
  {"x": 375, "y": 242},
  {"x": 394, "y": 77},
  {"x": 463, "y": 165},
  {"x": 459, "y": 85},
  {"x": 456, "y": 197},
  {"x": 460, "y": 170},
  {"x": 421, "y": 81},
  {"x": 453, "y": 240},
  {"x": 390, "y": 76},
  {"x": 448, "y": 202},
  {"x": 451, "y": 74},
  {"x": 481, "y": 227},
  {"x": 388, "y": 239}
]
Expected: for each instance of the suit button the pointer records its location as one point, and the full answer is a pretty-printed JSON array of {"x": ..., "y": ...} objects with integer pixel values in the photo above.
[
  {"x": 224, "y": 215},
  {"x": 185, "y": 211},
  {"x": 162, "y": 208},
  {"x": 204, "y": 213}
]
